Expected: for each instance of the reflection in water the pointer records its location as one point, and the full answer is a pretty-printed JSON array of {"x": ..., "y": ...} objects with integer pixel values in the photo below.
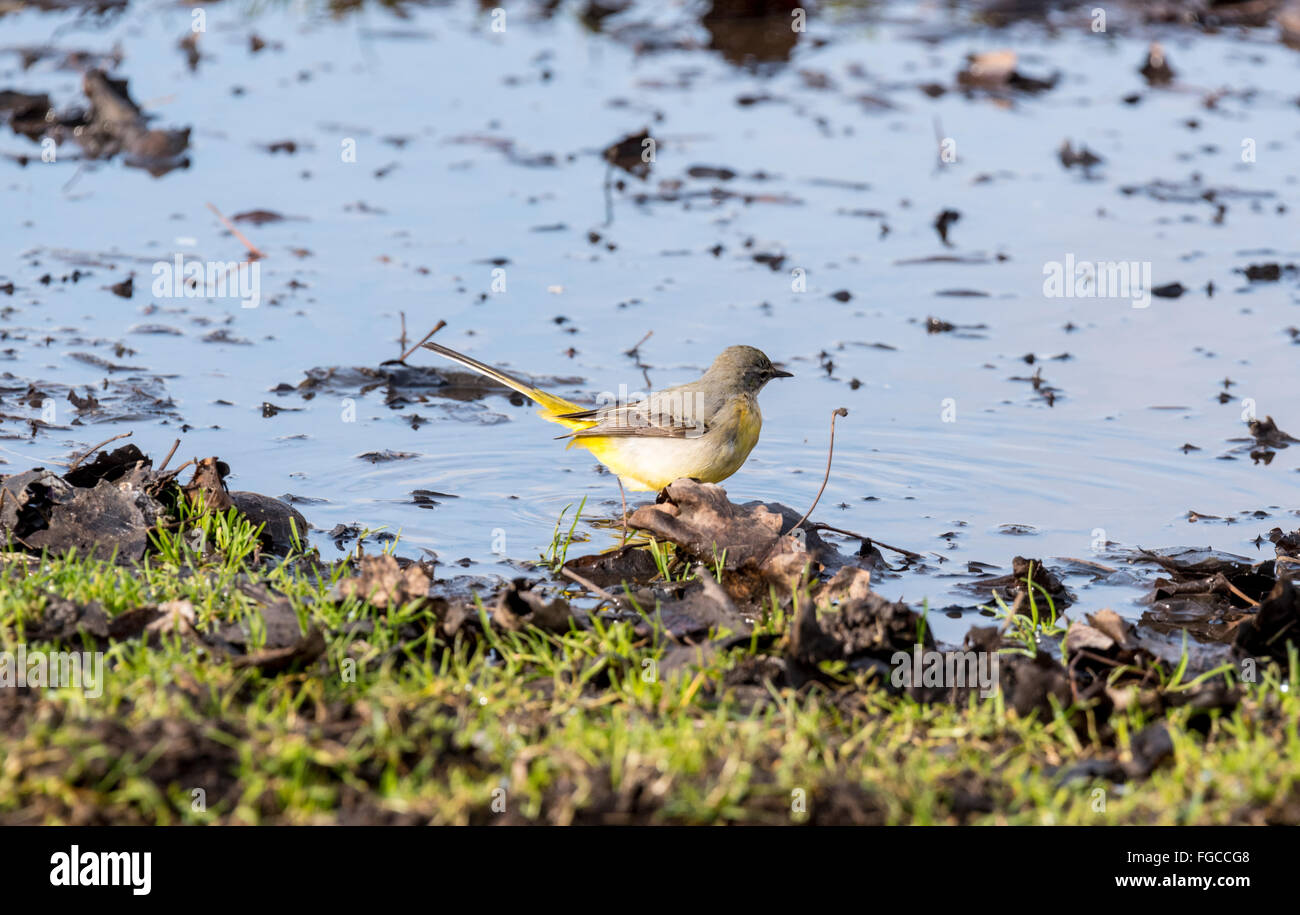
[{"x": 754, "y": 32}]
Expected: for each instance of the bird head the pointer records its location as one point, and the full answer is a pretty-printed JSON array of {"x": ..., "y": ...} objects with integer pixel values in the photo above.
[{"x": 744, "y": 368}]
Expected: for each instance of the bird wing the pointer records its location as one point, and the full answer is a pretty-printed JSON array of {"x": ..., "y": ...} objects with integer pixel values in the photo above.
[
  {"x": 555, "y": 409},
  {"x": 679, "y": 412}
]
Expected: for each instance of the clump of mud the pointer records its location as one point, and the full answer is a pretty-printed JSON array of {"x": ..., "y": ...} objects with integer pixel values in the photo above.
[{"x": 108, "y": 508}]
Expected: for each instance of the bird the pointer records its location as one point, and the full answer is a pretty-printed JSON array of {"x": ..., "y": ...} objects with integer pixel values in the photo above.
[{"x": 704, "y": 429}]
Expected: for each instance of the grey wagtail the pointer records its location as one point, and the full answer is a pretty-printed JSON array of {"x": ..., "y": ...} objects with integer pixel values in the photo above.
[{"x": 703, "y": 429}]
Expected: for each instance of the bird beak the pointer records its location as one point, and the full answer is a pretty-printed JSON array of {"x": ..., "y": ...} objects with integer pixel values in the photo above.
[{"x": 781, "y": 373}]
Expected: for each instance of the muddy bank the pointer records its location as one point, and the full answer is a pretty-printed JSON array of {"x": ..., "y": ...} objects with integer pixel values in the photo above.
[{"x": 701, "y": 573}]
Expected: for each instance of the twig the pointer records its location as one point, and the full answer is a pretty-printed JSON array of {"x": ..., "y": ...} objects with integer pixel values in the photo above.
[
  {"x": 173, "y": 474},
  {"x": 233, "y": 267},
  {"x": 73, "y": 466},
  {"x": 830, "y": 453},
  {"x": 822, "y": 526},
  {"x": 622, "y": 495},
  {"x": 81, "y": 166},
  {"x": 401, "y": 341},
  {"x": 163, "y": 466},
  {"x": 252, "y": 248},
  {"x": 1088, "y": 562},
  {"x": 1237, "y": 591},
  {"x": 439, "y": 326},
  {"x": 589, "y": 585},
  {"x": 635, "y": 353}
]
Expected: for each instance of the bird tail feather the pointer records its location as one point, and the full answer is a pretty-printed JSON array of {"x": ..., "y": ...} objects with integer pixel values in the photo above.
[{"x": 552, "y": 407}]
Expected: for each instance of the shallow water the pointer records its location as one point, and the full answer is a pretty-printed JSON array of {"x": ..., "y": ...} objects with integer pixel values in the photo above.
[{"x": 433, "y": 94}]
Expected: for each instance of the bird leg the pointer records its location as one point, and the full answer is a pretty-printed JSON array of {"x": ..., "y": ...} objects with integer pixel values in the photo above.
[{"x": 622, "y": 495}]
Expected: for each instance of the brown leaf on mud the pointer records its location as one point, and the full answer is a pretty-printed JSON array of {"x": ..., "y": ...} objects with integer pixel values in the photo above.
[
  {"x": 1082, "y": 637},
  {"x": 1093, "y": 650},
  {"x": 700, "y": 520},
  {"x": 382, "y": 582},
  {"x": 209, "y": 485},
  {"x": 518, "y": 606}
]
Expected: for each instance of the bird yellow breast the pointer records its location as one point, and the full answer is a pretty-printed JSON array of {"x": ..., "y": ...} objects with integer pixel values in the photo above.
[
  {"x": 650, "y": 464},
  {"x": 750, "y": 423}
]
